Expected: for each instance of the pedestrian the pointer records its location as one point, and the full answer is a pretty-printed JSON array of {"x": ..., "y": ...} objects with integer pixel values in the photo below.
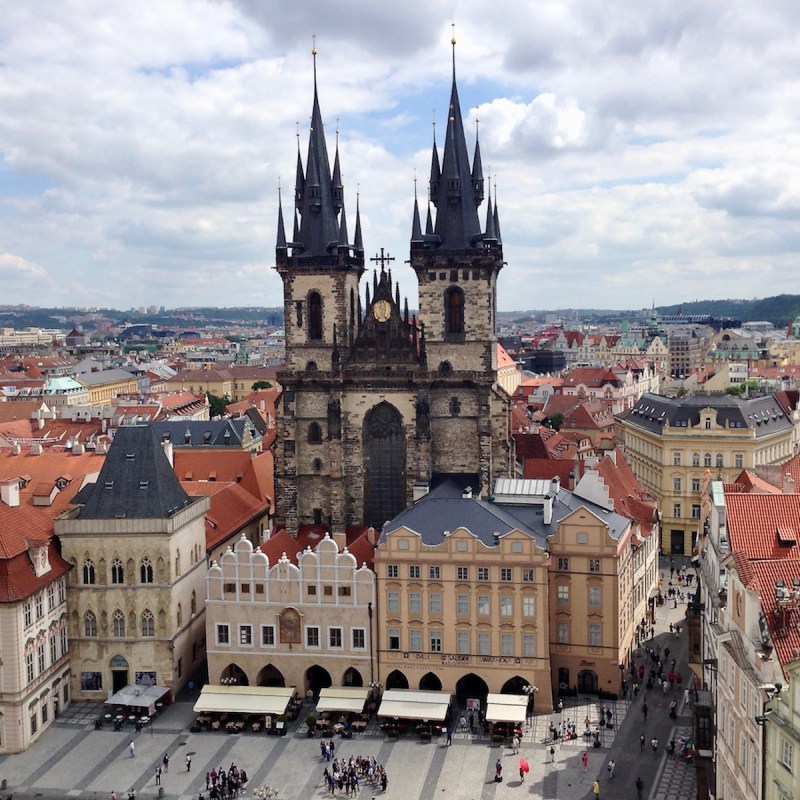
[
  {"x": 113, "y": 795},
  {"x": 132, "y": 749},
  {"x": 686, "y": 697},
  {"x": 654, "y": 745},
  {"x": 158, "y": 775},
  {"x": 560, "y": 706},
  {"x": 596, "y": 789},
  {"x": 639, "y": 787},
  {"x": 611, "y": 766},
  {"x": 498, "y": 771},
  {"x": 641, "y": 742},
  {"x": 644, "y": 711},
  {"x": 515, "y": 744},
  {"x": 449, "y": 736},
  {"x": 585, "y": 760},
  {"x": 521, "y": 773},
  {"x": 165, "y": 762},
  {"x": 552, "y": 753},
  {"x": 188, "y": 762}
]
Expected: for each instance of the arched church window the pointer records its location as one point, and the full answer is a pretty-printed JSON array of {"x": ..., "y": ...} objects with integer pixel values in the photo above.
[
  {"x": 148, "y": 623},
  {"x": 90, "y": 624},
  {"x": 88, "y": 572},
  {"x": 314, "y": 433},
  {"x": 146, "y": 571},
  {"x": 445, "y": 368},
  {"x": 454, "y": 310},
  {"x": 118, "y": 624},
  {"x": 314, "y": 316},
  {"x": 117, "y": 571}
]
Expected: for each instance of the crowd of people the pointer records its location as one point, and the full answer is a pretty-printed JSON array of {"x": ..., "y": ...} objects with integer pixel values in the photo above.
[
  {"x": 222, "y": 785},
  {"x": 349, "y": 775}
]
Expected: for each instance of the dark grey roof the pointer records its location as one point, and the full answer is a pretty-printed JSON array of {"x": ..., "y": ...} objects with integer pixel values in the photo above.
[
  {"x": 136, "y": 481},
  {"x": 196, "y": 433},
  {"x": 764, "y": 415},
  {"x": 445, "y": 509}
]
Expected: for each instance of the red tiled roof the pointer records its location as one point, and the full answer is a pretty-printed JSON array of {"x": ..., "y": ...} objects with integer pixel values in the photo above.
[
  {"x": 548, "y": 468},
  {"x": 18, "y": 579},
  {"x": 196, "y": 464},
  {"x": 783, "y": 620},
  {"x": 753, "y": 522},
  {"x": 630, "y": 498}
]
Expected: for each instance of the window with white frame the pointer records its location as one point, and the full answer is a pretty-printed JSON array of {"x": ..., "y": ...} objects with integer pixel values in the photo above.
[
  {"x": 787, "y": 754},
  {"x": 506, "y": 574},
  {"x": 394, "y": 638},
  {"x": 358, "y": 638},
  {"x": 312, "y": 636},
  {"x": 39, "y": 606},
  {"x": 413, "y": 571},
  {"x": 29, "y": 672},
  {"x": 528, "y": 575},
  {"x": 53, "y": 648},
  {"x": 246, "y": 635},
  {"x": 695, "y": 459},
  {"x": 595, "y": 595},
  {"x": 51, "y": 597},
  {"x": 676, "y": 484},
  {"x": 676, "y": 458},
  {"x": 64, "y": 641},
  {"x": 528, "y": 606},
  {"x": 40, "y": 657},
  {"x": 483, "y": 604},
  {"x": 562, "y": 632},
  {"x": 462, "y": 642},
  {"x": 434, "y": 572},
  {"x": 335, "y": 638},
  {"x": 27, "y": 612},
  {"x": 484, "y": 643},
  {"x": 393, "y": 601},
  {"x": 392, "y": 571},
  {"x": 594, "y": 565},
  {"x": 529, "y": 645},
  {"x": 738, "y": 460},
  {"x": 595, "y": 635},
  {"x": 507, "y": 644},
  {"x": 562, "y": 593},
  {"x": 436, "y": 641},
  {"x": 462, "y": 604},
  {"x": 695, "y": 484},
  {"x": 506, "y": 605},
  {"x": 462, "y": 573},
  {"x": 483, "y": 573},
  {"x": 223, "y": 633},
  {"x": 435, "y": 603},
  {"x": 268, "y": 636},
  {"x": 415, "y": 640},
  {"x": 563, "y": 564},
  {"x": 676, "y": 509},
  {"x": 414, "y": 602}
]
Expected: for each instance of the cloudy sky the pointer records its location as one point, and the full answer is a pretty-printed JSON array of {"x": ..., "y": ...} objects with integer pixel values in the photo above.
[{"x": 642, "y": 150}]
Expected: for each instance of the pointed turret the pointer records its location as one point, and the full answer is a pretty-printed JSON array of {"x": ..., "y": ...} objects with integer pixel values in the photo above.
[
  {"x": 336, "y": 182},
  {"x": 359, "y": 242},
  {"x": 477, "y": 169},
  {"x": 343, "y": 243},
  {"x": 436, "y": 170},
  {"x": 416, "y": 226},
  {"x": 497, "y": 219},
  {"x": 453, "y": 192},
  {"x": 429, "y": 223},
  {"x": 490, "y": 233},
  {"x": 281, "y": 241}
]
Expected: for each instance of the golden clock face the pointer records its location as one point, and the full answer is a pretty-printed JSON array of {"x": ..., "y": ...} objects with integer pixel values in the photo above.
[{"x": 382, "y": 310}]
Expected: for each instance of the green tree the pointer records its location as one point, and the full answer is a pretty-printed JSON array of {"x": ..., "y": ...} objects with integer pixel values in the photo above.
[
  {"x": 556, "y": 420},
  {"x": 216, "y": 405},
  {"x": 261, "y": 385}
]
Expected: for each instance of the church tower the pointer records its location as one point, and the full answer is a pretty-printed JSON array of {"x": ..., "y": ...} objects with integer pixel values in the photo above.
[{"x": 376, "y": 403}]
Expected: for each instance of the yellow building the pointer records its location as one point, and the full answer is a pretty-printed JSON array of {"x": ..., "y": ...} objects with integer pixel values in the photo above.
[
  {"x": 105, "y": 385},
  {"x": 671, "y": 443}
]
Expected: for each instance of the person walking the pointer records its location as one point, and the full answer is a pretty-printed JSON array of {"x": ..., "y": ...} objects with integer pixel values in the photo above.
[
  {"x": 498, "y": 771},
  {"x": 552, "y": 754},
  {"x": 165, "y": 762},
  {"x": 188, "y": 763},
  {"x": 639, "y": 787},
  {"x": 449, "y": 736},
  {"x": 158, "y": 775},
  {"x": 113, "y": 795},
  {"x": 644, "y": 711},
  {"x": 596, "y": 789},
  {"x": 585, "y": 760},
  {"x": 654, "y": 745},
  {"x": 611, "y": 767},
  {"x": 132, "y": 749},
  {"x": 641, "y": 742}
]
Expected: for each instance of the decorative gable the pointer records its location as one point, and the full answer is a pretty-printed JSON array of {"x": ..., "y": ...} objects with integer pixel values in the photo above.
[{"x": 39, "y": 559}]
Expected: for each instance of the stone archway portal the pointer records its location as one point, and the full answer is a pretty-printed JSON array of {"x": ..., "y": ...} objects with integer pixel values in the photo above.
[{"x": 384, "y": 455}]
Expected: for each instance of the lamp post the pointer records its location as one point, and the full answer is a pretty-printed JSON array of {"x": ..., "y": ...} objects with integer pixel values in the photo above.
[{"x": 531, "y": 691}]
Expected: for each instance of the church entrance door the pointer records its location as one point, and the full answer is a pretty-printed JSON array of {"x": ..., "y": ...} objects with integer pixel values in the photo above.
[{"x": 384, "y": 453}]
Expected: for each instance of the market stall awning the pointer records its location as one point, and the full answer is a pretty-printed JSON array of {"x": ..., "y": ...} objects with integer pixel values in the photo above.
[
  {"x": 138, "y": 696},
  {"x": 506, "y": 707},
  {"x": 414, "y": 704},
  {"x": 244, "y": 699},
  {"x": 343, "y": 698}
]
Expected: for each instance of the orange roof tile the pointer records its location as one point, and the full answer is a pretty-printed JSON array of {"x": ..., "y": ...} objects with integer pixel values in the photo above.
[{"x": 753, "y": 522}]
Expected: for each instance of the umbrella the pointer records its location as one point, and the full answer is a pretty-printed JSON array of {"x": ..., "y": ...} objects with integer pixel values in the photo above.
[{"x": 523, "y": 765}]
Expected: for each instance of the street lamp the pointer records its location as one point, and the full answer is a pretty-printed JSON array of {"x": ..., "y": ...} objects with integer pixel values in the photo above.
[{"x": 531, "y": 691}]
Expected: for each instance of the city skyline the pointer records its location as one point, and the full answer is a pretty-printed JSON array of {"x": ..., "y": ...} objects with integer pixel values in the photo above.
[{"x": 640, "y": 157}]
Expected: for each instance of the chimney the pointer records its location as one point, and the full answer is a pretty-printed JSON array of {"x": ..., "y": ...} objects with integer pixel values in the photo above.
[
  {"x": 9, "y": 492},
  {"x": 78, "y": 449},
  {"x": 548, "y": 508},
  {"x": 788, "y": 484},
  {"x": 36, "y": 449},
  {"x": 16, "y": 449},
  {"x": 169, "y": 452}
]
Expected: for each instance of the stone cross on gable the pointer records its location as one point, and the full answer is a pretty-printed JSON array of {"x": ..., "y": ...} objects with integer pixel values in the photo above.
[{"x": 382, "y": 259}]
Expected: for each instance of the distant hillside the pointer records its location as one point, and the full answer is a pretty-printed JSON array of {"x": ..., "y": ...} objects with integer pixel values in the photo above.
[{"x": 778, "y": 310}]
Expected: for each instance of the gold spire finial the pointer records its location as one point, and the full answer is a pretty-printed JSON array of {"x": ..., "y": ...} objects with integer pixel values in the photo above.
[
  {"x": 453, "y": 42},
  {"x": 453, "y": 39},
  {"x": 313, "y": 44}
]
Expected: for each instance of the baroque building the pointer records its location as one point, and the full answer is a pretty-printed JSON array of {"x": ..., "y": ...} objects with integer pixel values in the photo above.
[{"x": 377, "y": 401}]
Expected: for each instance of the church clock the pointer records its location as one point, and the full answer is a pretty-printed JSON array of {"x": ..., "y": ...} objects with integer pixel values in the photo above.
[{"x": 382, "y": 310}]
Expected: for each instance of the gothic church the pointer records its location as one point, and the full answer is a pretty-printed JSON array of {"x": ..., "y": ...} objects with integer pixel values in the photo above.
[{"x": 379, "y": 404}]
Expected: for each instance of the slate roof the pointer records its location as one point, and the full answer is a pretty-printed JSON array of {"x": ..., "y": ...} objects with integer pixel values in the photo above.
[
  {"x": 764, "y": 415},
  {"x": 445, "y": 509},
  {"x": 209, "y": 433},
  {"x": 136, "y": 480}
]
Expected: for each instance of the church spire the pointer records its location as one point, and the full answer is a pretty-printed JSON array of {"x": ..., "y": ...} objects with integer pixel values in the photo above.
[
  {"x": 477, "y": 168},
  {"x": 490, "y": 232},
  {"x": 359, "y": 242},
  {"x": 281, "y": 242},
  {"x": 453, "y": 191},
  {"x": 416, "y": 226}
]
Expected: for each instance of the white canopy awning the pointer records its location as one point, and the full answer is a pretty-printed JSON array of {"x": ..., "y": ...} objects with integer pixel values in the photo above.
[
  {"x": 414, "y": 704},
  {"x": 506, "y": 707},
  {"x": 138, "y": 696},
  {"x": 343, "y": 698},
  {"x": 244, "y": 699}
]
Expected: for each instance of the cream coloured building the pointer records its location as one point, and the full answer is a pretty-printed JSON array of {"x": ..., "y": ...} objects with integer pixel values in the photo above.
[
  {"x": 137, "y": 544},
  {"x": 671, "y": 443},
  {"x": 292, "y": 612}
]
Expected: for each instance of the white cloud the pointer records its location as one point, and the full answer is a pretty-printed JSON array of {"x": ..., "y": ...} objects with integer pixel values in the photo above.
[{"x": 647, "y": 152}]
